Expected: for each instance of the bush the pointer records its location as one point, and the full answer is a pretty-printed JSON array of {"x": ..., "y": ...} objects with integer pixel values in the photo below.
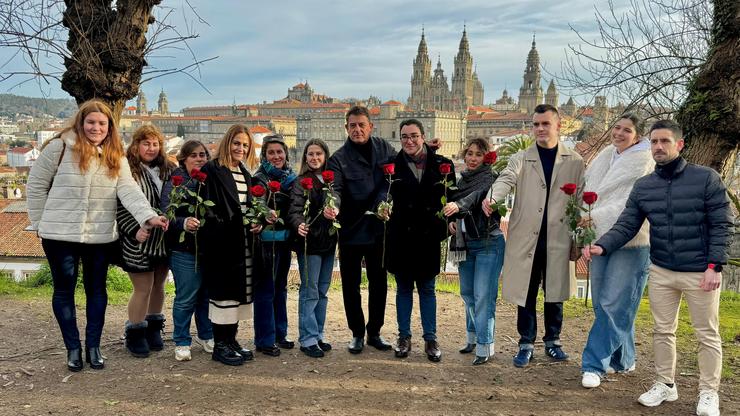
[
  {"x": 117, "y": 279},
  {"x": 41, "y": 278}
]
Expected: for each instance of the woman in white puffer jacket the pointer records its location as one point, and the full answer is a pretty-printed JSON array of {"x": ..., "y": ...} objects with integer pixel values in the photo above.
[{"x": 72, "y": 191}]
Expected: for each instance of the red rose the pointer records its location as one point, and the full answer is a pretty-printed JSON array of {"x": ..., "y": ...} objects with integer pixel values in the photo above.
[
  {"x": 328, "y": 176},
  {"x": 490, "y": 158},
  {"x": 307, "y": 183},
  {"x": 590, "y": 197},
  {"x": 177, "y": 180},
  {"x": 569, "y": 188},
  {"x": 445, "y": 168},
  {"x": 389, "y": 169},
  {"x": 198, "y": 175},
  {"x": 257, "y": 191},
  {"x": 274, "y": 186}
]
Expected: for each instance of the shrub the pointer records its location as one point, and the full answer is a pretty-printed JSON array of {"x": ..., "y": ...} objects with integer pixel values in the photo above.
[{"x": 117, "y": 279}]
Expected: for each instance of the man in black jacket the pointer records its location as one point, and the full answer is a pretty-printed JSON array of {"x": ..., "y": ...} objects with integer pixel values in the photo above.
[
  {"x": 690, "y": 232},
  {"x": 361, "y": 185}
]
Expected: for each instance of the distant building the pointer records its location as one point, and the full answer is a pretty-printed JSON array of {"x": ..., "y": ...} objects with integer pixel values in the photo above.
[
  {"x": 21, "y": 254},
  {"x": 162, "y": 104},
  {"x": 141, "y": 104},
  {"x": 530, "y": 94},
  {"x": 22, "y": 156}
]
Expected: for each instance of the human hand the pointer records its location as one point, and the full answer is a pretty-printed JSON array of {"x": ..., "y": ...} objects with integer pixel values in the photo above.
[
  {"x": 331, "y": 213},
  {"x": 450, "y": 208},
  {"x": 384, "y": 213},
  {"x": 303, "y": 229},
  {"x": 711, "y": 280},
  {"x": 158, "y": 222},
  {"x": 256, "y": 228},
  {"x": 271, "y": 217},
  {"x": 191, "y": 224},
  {"x": 435, "y": 143},
  {"x": 591, "y": 250},
  {"x": 486, "y": 206},
  {"x": 142, "y": 234},
  {"x": 452, "y": 227}
]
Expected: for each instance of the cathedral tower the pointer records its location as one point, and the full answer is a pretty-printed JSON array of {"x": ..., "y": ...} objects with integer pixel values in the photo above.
[
  {"x": 162, "y": 104},
  {"x": 551, "y": 97},
  {"x": 530, "y": 94},
  {"x": 421, "y": 78},
  {"x": 462, "y": 78},
  {"x": 141, "y": 104}
]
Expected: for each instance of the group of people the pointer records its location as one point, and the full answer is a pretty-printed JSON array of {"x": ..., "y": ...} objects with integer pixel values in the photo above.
[{"x": 232, "y": 221}]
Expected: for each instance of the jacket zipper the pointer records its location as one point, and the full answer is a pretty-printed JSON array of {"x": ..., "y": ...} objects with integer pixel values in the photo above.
[{"x": 670, "y": 221}]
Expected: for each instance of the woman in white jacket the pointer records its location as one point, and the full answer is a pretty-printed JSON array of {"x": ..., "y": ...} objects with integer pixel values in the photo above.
[
  {"x": 617, "y": 279},
  {"x": 72, "y": 191}
]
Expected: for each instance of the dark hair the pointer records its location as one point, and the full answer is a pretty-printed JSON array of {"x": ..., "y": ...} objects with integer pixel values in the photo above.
[
  {"x": 313, "y": 142},
  {"x": 481, "y": 142},
  {"x": 148, "y": 131},
  {"x": 273, "y": 138},
  {"x": 357, "y": 110},
  {"x": 670, "y": 125},
  {"x": 543, "y": 108},
  {"x": 637, "y": 121},
  {"x": 412, "y": 121},
  {"x": 189, "y": 147}
]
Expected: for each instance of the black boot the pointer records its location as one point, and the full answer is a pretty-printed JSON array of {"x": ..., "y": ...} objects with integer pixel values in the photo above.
[
  {"x": 136, "y": 339},
  {"x": 246, "y": 354},
  {"x": 94, "y": 358},
  {"x": 74, "y": 359},
  {"x": 154, "y": 331},
  {"x": 222, "y": 350}
]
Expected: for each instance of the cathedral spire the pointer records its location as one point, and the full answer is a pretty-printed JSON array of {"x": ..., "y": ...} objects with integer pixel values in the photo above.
[
  {"x": 422, "y": 44},
  {"x": 464, "y": 46}
]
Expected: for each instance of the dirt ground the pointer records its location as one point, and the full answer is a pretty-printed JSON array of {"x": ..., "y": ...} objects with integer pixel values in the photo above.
[{"x": 35, "y": 381}]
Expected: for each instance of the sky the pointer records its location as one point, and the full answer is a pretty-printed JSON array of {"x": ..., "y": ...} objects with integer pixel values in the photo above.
[{"x": 347, "y": 49}]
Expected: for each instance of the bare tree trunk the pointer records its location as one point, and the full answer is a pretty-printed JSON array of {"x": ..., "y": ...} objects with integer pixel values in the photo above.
[
  {"x": 107, "y": 48},
  {"x": 710, "y": 116}
]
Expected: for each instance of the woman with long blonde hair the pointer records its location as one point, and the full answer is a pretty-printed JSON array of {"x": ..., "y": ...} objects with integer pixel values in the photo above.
[
  {"x": 72, "y": 191},
  {"x": 143, "y": 253}
]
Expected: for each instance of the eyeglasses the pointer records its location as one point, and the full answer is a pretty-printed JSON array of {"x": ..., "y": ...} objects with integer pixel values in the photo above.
[{"x": 410, "y": 138}]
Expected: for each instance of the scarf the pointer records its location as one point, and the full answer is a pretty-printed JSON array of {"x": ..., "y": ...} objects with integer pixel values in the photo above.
[
  {"x": 285, "y": 176},
  {"x": 470, "y": 181}
]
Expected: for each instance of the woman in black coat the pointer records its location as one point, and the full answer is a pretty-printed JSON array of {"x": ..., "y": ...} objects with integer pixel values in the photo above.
[
  {"x": 228, "y": 250},
  {"x": 415, "y": 232}
]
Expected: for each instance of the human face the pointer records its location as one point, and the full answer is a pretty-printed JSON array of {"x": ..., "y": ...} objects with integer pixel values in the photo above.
[
  {"x": 315, "y": 157},
  {"x": 239, "y": 148},
  {"x": 473, "y": 157},
  {"x": 359, "y": 128},
  {"x": 411, "y": 139},
  {"x": 95, "y": 127},
  {"x": 275, "y": 154},
  {"x": 196, "y": 159},
  {"x": 148, "y": 149},
  {"x": 664, "y": 146},
  {"x": 546, "y": 129},
  {"x": 624, "y": 134}
]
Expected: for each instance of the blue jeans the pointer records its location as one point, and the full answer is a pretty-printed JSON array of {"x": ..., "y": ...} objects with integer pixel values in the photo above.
[
  {"x": 617, "y": 283},
  {"x": 427, "y": 306},
  {"x": 64, "y": 262},
  {"x": 191, "y": 297},
  {"x": 271, "y": 296},
  {"x": 312, "y": 300},
  {"x": 479, "y": 275}
]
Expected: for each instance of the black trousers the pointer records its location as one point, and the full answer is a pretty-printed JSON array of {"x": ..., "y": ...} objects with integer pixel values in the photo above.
[
  {"x": 350, "y": 267},
  {"x": 526, "y": 321}
]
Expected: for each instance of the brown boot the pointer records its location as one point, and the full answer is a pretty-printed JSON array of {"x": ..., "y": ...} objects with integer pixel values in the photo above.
[
  {"x": 403, "y": 346},
  {"x": 432, "y": 350}
]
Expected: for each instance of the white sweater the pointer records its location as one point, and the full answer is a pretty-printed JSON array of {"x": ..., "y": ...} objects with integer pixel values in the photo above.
[
  {"x": 613, "y": 183},
  {"x": 79, "y": 207}
]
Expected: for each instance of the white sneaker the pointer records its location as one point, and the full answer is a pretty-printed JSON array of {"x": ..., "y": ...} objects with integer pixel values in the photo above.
[
  {"x": 590, "y": 380},
  {"x": 207, "y": 344},
  {"x": 182, "y": 353},
  {"x": 610, "y": 370},
  {"x": 708, "y": 404},
  {"x": 658, "y": 394}
]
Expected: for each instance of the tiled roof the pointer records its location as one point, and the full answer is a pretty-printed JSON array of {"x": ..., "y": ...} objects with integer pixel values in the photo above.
[
  {"x": 581, "y": 267},
  {"x": 374, "y": 111},
  {"x": 14, "y": 241},
  {"x": 21, "y": 150},
  {"x": 259, "y": 129},
  {"x": 392, "y": 102}
]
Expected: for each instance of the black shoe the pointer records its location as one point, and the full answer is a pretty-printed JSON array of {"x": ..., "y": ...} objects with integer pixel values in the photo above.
[
  {"x": 246, "y": 354},
  {"x": 523, "y": 357},
  {"x": 154, "y": 330},
  {"x": 223, "y": 353},
  {"x": 356, "y": 345},
  {"x": 74, "y": 360},
  {"x": 94, "y": 358},
  {"x": 379, "y": 343},
  {"x": 432, "y": 350},
  {"x": 313, "y": 351},
  {"x": 136, "y": 342},
  {"x": 325, "y": 346},
  {"x": 556, "y": 353},
  {"x": 403, "y": 347},
  {"x": 467, "y": 349},
  {"x": 272, "y": 351},
  {"x": 286, "y": 344},
  {"x": 480, "y": 360}
]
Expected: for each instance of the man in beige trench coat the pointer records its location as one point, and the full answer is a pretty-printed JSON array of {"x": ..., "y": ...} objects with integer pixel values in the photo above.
[{"x": 538, "y": 246}]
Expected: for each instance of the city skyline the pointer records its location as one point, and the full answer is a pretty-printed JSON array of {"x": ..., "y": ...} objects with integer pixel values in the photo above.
[{"x": 353, "y": 51}]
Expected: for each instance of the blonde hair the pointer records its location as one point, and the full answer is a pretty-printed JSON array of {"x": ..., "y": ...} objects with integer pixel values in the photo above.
[
  {"x": 144, "y": 132},
  {"x": 223, "y": 153},
  {"x": 86, "y": 151}
]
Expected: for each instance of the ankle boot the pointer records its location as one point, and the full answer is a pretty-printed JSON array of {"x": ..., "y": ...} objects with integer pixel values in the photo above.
[
  {"x": 94, "y": 358},
  {"x": 136, "y": 339},
  {"x": 222, "y": 350},
  {"x": 74, "y": 360},
  {"x": 246, "y": 354},
  {"x": 154, "y": 331}
]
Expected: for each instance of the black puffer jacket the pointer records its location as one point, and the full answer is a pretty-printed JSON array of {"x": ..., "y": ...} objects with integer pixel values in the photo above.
[
  {"x": 689, "y": 214},
  {"x": 319, "y": 240},
  {"x": 477, "y": 224}
]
